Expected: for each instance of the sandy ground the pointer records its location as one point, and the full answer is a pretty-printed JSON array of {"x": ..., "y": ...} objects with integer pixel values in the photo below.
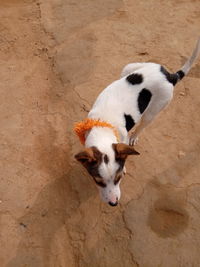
[{"x": 55, "y": 57}]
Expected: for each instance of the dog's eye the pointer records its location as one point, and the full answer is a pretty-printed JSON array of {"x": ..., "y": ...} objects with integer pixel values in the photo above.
[
  {"x": 99, "y": 181},
  {"x": 117, "y": 179},
  {"x": 101, "y": 184}
]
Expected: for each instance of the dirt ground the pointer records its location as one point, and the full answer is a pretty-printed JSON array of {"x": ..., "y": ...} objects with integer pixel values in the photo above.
[{"x": 55, "y": 57}]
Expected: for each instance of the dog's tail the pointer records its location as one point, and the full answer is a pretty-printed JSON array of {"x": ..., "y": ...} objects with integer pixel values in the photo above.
[{"x": 188, "y": 64}]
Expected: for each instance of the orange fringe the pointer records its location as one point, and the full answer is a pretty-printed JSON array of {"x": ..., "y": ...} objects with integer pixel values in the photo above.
[{"x": 82, "y": 127}]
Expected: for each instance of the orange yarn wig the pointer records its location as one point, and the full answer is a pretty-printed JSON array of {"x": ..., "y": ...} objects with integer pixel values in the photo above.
[{"x": 82, "y": 127}]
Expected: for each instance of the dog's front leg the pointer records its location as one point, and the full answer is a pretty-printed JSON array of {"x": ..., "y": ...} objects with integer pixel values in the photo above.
[
  {"x": 124, "y": 138},
  {"x": 133, "y": 139}
]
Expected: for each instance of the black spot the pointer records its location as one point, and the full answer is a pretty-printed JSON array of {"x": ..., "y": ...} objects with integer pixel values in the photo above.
[
  {"x": 134, "y": 78},
  {"x": 121, "y": 163},
  {"x": 174, "y": 77},
  {"x": 22, "y": 224},
  {"x": 106, "y": 159},
  {"x": 144, "y": 99},
  {"x": 93, "y": 169},
  {"x": 181, "y": 74},
  {"x": 129, "y": 122}
]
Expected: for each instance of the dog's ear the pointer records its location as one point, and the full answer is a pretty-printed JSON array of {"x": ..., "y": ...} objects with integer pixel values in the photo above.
[
  {"x": 85, "y": 156},
  {"x": 89, "y": 155},
  {"x": 123, "y": 150}
]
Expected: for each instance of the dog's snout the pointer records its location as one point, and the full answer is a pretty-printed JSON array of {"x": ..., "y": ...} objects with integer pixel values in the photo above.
[{"x": 113, "y": 203}]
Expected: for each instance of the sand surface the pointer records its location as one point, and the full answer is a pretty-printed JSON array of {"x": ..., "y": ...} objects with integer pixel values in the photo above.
[{"x": 55, "y": 58}]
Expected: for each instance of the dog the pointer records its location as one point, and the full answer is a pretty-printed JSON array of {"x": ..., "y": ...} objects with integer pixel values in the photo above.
[{"x": 131, "y": 102}]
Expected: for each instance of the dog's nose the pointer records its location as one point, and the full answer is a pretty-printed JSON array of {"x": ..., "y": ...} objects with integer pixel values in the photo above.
[{"x": 113, "y": 204}]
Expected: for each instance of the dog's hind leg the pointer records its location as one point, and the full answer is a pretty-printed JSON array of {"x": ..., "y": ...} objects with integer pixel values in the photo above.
[{"x": 157, "y": 103}]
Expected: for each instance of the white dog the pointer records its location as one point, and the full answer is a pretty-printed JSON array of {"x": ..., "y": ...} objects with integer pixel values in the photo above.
[{"x": 130, "y": 102}]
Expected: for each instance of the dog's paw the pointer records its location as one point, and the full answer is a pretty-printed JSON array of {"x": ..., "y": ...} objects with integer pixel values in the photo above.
[{"x": 133, "y": 140}]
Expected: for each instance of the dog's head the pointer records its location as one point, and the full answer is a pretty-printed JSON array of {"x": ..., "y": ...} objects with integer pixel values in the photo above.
[{"x": 107, "y": 169}]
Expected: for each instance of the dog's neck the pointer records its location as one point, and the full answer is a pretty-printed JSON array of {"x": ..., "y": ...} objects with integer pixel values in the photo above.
[{"x": 101, "y": 137}]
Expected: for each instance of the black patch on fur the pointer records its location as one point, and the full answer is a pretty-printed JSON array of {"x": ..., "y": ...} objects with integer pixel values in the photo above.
[
  {"x": 93, "y": 169},
  {"x": 134, "y": 78},
  {"x": 121, "y": 163},
  {"x": 129, "y": 122},
  {"x": 144, "y": 99},
  {"x": 181, "y": 74},
  {"x": 106, "y": 159},
  {"x": 172, "y": 78}
]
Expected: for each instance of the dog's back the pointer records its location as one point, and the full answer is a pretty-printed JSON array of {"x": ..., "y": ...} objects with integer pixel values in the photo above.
[
  {"x": 144, "y": 89},
  {"x": 131, "y": 94}
]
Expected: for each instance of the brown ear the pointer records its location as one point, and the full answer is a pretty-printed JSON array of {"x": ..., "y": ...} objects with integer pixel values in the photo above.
[
  {"x": 123, "y": 150},
  {"x": 89, "y": 155},
  {"x": 85, "y": 156}
]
